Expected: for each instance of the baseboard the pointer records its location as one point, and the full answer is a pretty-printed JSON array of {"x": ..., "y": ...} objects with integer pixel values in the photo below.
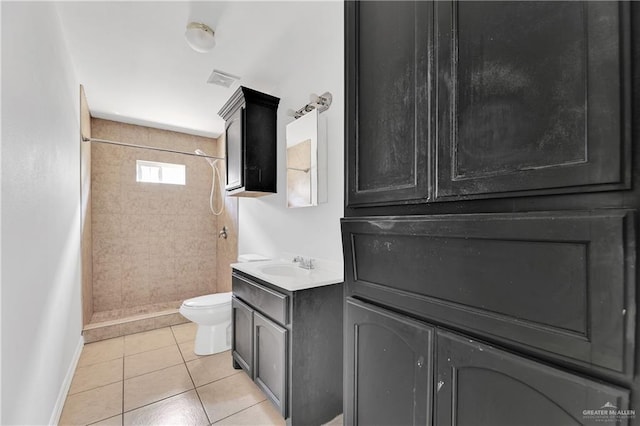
[{"x": 66, "y": 384}]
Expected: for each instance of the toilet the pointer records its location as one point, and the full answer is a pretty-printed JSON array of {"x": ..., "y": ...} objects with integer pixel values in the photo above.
[{"x": 212, "y": 313}]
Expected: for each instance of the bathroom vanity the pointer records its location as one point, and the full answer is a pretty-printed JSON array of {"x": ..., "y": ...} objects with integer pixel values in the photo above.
[{"x": 287, "y": 336}]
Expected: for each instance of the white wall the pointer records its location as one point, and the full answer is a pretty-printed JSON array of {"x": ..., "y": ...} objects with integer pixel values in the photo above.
[
  {"x": 267, "y": 226},
  {"x": 41, "y": 314}
]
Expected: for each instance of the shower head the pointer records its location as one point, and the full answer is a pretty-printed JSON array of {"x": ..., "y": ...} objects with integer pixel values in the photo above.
[{"x": 211, "y": 161}]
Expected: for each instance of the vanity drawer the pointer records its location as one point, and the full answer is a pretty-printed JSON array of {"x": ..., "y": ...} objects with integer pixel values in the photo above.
[{"x": 268, "y": 301}]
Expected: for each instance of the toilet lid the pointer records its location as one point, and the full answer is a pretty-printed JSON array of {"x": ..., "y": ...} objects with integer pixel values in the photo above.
[{"x": 208, "y": 301}]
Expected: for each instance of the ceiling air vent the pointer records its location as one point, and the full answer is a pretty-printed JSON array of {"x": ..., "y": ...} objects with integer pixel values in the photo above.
[{"x": 222, "y": 78}]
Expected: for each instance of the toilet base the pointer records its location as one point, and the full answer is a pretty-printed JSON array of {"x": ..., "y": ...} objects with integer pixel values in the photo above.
[{"x": 212, "y": 339}]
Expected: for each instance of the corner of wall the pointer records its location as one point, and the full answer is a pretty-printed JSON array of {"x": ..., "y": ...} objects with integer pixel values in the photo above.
[{"x": 66, "y": 384}]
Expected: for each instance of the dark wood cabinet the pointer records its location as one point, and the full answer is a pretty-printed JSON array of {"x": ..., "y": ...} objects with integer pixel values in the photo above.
[
  {"x": 530, "y": 97},
  {"x": 250, "y": 141},
  {"x": 481, "y": 99},
  {"x": 290, "y": 344},
  {"x": 479, "y": 385},
  {"x": 234, "y": 143},
  {"x": 270, "y": 343},
  {"x": 389, "y": 368},
  {"x": 556, "y": 283},
  {"x": 389, "y": 101},
  {"x": 491, "y": 199}
]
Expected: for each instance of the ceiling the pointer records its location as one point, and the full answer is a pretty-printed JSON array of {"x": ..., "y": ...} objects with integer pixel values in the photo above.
[{"x": 136, "y": 67}]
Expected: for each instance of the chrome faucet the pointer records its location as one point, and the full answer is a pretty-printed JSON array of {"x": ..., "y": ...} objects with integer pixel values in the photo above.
[{"x": 304, "y": 263}]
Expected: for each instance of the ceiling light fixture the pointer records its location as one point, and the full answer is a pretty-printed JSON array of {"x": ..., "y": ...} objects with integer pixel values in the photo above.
[{"x": 199, "y": 37}]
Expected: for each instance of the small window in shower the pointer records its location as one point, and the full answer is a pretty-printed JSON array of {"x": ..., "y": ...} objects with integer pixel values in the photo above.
[{"x": 155, "y": 172}]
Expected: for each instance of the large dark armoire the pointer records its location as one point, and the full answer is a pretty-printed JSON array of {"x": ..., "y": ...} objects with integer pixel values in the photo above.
[{"x": 492, "y": 188}]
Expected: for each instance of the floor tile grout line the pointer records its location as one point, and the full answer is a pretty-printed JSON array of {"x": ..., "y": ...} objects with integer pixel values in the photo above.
[
  {"x": 154, "y": 402},
  {"x": 238, "y": 412},
  {"x": 123, "y": 354},
  {"x": 155, "y": 371},
  {"x": 158, "y": 369},
  {"x": 218, "y": 379},
  {"x": 95, "y": 387},
  {"x": 148, "y": 350},
  {"x": 190, "y": 376}
]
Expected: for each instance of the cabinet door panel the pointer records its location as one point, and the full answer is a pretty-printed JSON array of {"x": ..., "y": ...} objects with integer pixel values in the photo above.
[
  {"x": 388, "y": 368},
  {"x": 234, "y": 140},
  {"x": 531, "y": 97},
  {"x": 242, "y": 342},
  {"x": 480, "y": 385},
  {"x": 270, "y": 343},
  {"x": 388, "y": 101},
  {"x": 559, "y": 283}
]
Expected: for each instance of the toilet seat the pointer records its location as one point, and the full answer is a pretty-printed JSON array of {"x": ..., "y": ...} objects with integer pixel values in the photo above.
[{"x": 208, "y": 301}]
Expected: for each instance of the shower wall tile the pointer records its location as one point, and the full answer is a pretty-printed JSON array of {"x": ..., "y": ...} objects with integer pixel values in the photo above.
[
  {"x": 107, "y": 294},
  {"x": 105, "y": 200},
  {"x": 106, "y": 250},
  {"x": 135, "y": 287},
  {"x": 106, "y": 225},
  {"x": 163, "y": 289},
  {"x": 227, "y": 249},
  {"x": 154, "y": 243}
]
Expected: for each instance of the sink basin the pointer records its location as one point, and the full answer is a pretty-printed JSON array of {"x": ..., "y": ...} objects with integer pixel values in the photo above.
[{"x": 284, "y": 271}]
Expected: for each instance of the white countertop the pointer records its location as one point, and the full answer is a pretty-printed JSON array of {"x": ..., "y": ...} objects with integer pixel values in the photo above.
[{"x": 325, "y": 273}]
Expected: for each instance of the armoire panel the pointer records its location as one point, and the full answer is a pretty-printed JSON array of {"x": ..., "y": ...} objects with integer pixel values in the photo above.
[
  {"x": 498, "y": 274},
  {"x": 530, "y": 97},
  {"x": 390, "y": 83}
]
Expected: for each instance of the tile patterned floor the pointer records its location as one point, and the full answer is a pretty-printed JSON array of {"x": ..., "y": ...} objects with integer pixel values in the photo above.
[{"x": 154, "y": 378}]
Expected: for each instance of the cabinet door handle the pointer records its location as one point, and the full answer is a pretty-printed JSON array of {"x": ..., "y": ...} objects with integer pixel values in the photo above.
[{"x": 420, "y": 361}]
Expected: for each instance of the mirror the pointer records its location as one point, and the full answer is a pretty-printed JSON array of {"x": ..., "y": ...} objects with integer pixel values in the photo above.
[{"x": 302, "y": 161}]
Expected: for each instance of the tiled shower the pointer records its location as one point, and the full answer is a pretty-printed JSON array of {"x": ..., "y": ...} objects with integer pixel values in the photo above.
[{"x": 152, "y": 245}]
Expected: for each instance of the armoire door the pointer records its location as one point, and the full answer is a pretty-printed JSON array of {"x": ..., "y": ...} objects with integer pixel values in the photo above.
[
  {"x": 531, "y": 97},
  {"x": 388, "y": 115},
  {"x": 478, "y": 385},
  {"x": 388, "y": 368}
]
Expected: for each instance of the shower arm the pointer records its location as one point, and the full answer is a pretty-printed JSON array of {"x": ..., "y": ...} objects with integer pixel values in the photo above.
[{"x": 153, "y": 148}]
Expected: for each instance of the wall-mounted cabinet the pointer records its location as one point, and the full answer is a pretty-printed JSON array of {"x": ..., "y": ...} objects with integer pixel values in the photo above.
[{"x": 250, "y": 139}]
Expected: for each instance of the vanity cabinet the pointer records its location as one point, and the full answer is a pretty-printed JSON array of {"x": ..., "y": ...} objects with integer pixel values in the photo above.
[
  {"x": 491, "y": 212},
  {"x": 270, "y": 369},
  {"x": 250, "y": 140},
  {"x": 242, "y": 338},
  {"x": 290, "y": 344}
]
